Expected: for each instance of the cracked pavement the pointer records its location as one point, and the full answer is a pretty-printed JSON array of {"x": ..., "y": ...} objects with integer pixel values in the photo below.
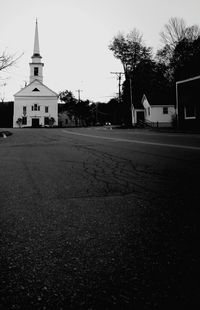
[{"x": 88, "y": 223}]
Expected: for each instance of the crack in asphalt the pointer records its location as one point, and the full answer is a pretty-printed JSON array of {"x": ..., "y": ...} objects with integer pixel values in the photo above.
[{"x": 115, "y": 175}]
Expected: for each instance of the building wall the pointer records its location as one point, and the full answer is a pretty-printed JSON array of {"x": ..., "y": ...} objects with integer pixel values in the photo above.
[
  {"x": 187, "y": 92},
  {"x": 155, "y": 113},
  {"x": 28, "y": 102},
  {"x": 6, "y": 114}
]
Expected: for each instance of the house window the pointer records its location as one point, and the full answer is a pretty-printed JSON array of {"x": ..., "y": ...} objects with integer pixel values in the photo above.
[
  {"x": 35, "y": 71},
  {"x": 24, "y": 110},
  {"x": 165, "y": 110},
  {"x": 35, "y": 89},
  {"x": 46, "y": 121},
  {"x": 24, "y": 120},
  {"x": 148, "y": 111},
  {"x": 190, "y": 111},
  {"x": 35, "y": 107},
  {"x": 46, "y": 109}
]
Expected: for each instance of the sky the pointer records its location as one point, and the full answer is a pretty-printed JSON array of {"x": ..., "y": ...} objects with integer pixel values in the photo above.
[{"x": 74, "y": 36}]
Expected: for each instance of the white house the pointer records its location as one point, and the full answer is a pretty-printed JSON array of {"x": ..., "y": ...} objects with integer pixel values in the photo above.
[
  {"x": 35, "y": 104},
  {"x": 157, "y": 112}
]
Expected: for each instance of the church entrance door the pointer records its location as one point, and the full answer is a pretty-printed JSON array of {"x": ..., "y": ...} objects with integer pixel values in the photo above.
[{"x": 35, "y": 122}]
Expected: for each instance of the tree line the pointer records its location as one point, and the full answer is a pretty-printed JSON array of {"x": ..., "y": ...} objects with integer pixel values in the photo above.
[
  {"x": 156, "y": 75},
  {"x": 87, "y": 113},
  {"x": 145, "y": 72}
]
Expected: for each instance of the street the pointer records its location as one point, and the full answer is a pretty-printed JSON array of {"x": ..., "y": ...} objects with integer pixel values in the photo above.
[{"x": 93, "y": 218}]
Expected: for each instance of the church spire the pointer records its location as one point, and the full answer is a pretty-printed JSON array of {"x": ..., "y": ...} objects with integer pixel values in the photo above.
[
  {"x": 36, "y": 50},
  {"x": 36, "y": 66}
]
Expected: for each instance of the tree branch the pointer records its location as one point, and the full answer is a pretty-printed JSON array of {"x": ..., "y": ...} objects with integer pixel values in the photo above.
[{"x": 7, "y": 60}]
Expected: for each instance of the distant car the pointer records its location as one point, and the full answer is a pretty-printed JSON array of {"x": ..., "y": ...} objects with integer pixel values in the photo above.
[{"x": 107, "y": 124}]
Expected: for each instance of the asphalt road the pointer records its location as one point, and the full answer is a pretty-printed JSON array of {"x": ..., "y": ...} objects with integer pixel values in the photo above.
[{"x": 99, "y": 219}]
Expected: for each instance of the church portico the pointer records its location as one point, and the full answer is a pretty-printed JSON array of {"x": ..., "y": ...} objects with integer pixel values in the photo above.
[{"x": 35, "y": 104}]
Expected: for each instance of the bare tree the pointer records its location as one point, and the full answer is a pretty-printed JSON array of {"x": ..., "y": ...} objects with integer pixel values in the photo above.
[
  {"x": 173, "y": 32},
  {"x": 177, "y": 30},
  {"x": 7, "y": 60}
]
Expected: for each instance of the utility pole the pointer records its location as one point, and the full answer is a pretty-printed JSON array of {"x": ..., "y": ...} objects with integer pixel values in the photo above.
[
  {"x": 119, "y": 77},
  {"x": 96, "y": 104},
  {"x": 131, "y": 97},
  {"x": 79, "y": 96}
]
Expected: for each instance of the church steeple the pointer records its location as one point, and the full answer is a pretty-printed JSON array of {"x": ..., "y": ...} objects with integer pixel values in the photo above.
[
  {"x": 36, "y": 66},
  {"x": 36, "y": 50}
]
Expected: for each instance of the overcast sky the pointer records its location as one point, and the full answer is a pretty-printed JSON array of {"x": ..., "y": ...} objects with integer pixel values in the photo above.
[{"x": 74, "y": 36}]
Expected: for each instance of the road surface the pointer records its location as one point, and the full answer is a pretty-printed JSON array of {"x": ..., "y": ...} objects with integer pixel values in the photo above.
[{"x": 94, "y": 218}]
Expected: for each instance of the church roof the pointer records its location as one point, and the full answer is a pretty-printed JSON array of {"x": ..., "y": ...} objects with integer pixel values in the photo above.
[{"x": 36, "y": 89}]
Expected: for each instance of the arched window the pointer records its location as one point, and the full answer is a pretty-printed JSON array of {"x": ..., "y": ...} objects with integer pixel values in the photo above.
[
  {"x": 35, "y": 107},
  {"x": 36, "y": 71}
]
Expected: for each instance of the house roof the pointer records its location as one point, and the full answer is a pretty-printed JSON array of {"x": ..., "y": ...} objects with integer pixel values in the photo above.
[
  {"x": 29, "y": 90},
  {"x": 158, "y": 99},
  {"x": 188, "y": 80}
]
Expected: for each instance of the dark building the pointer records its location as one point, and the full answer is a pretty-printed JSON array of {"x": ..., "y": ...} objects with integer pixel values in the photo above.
[
  {"x": 188, "y": 103},
  {"x": 6, "y": 114}
]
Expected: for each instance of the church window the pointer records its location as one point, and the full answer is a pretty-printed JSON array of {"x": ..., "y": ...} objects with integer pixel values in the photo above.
[
  {"x": 35, "y": 71},
  {"x": 35, "y": 107},
  {"x": 46, "y": 109},
  {"x": 24, "y": 110},
  {"x": 35, "y": 89},
  {"x": 24, "y": 120}
]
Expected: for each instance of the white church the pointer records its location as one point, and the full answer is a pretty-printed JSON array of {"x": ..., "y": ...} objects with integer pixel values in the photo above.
[{"x": 35, "y": 105}]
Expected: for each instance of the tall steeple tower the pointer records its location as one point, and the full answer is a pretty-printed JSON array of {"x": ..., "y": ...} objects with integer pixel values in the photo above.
[
  {"x": 36, "y": 66},
  {"x": 36, "y": 103}
]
